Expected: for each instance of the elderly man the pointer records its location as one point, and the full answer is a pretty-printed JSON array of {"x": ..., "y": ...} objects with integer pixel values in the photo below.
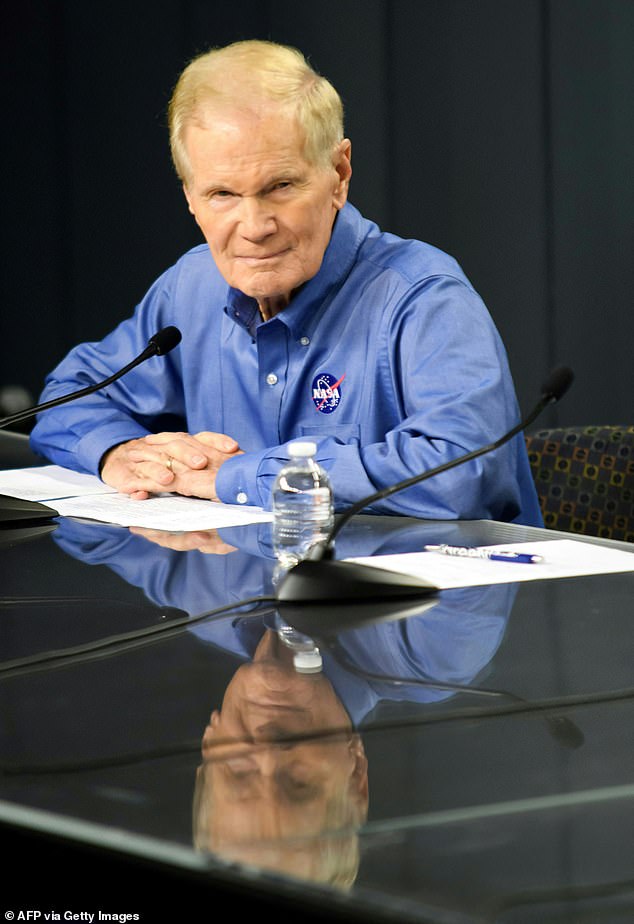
[{"x": 299, "y": 318}]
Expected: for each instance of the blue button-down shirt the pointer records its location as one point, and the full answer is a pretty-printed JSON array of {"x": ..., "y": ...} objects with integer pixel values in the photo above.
[{"x": 387, "y": 358}]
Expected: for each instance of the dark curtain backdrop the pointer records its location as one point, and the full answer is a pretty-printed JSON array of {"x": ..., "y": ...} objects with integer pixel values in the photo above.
[{"x": 499, "y": 130}]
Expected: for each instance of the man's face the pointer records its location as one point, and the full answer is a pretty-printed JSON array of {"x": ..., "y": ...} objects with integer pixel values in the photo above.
[{"x": 265, "y": 212}]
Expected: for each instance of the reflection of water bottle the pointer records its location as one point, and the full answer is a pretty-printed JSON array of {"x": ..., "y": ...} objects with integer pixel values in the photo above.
[
  {"x": 302, "y": 504},
  {"x": 306, "y": 655}
]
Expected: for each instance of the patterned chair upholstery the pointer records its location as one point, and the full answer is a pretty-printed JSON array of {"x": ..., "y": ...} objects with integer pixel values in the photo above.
[{"x": 585, "y": 479}]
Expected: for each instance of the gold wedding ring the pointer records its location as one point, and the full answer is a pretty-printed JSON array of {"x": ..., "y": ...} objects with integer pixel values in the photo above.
[{"x": 168, "y": 464}]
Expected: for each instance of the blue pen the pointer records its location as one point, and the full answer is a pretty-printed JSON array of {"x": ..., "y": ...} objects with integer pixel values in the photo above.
[{"x": 463, "y": 552}]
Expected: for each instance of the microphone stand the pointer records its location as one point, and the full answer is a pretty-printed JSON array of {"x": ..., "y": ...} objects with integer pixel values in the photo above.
[
  {"x": 16, "y": 509},
  {"x": 162, "y": 342}
]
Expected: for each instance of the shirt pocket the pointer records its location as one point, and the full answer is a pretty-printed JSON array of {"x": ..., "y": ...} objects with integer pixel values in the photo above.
[{"x": 343, "y": 433}]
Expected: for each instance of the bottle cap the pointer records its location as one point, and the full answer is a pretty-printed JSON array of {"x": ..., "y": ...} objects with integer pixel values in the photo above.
[
  {"x": 301, "y": 448},
  {"x": 307, "y": 662}
]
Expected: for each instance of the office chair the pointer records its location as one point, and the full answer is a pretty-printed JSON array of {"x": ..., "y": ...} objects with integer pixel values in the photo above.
[{"x": 585, "y": 479}]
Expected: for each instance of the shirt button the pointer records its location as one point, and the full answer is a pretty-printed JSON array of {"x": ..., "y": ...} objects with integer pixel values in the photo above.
[
  {"x": 241, "y": 497},
  {"x": 271, "y": 379},
  {"x": 304, "y": 341}
]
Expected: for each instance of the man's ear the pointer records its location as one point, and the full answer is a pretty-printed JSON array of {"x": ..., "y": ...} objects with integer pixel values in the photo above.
[
  {"x": 343, "y": 165},
  {"x": 359, "y": 777},
  {"x": 188, "y": 197},
  {"x": 209, "y": 732}
]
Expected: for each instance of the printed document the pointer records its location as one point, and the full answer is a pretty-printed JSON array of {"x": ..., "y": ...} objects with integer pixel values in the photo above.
[{"x": 72, "y": 494}]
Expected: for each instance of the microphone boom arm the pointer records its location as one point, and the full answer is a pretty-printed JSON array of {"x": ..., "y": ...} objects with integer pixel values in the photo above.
[
  {"x": 320, "y": 577},
  {"x": 328, "y": 549},
  {"x": 163, "y": 341}
]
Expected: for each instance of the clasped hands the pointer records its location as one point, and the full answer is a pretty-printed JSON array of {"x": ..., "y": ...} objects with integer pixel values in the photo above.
[{"x": 180, "y": 463}]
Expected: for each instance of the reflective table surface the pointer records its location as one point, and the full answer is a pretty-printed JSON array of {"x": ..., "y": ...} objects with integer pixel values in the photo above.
[{"x": 468, "y": 758}]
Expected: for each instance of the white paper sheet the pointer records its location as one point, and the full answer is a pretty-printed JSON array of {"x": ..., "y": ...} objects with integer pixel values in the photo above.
[
  {"x": 73, "y": 494},
  {"x": 165, "y": 512},
  {"x": 49, "y": 482},
  {"x": 561, "y": 558}
]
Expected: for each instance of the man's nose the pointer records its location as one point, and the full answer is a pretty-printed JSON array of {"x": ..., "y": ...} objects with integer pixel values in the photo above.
[
  {"x": 268, "y": 760},
  {"x": 257, "y": 218}
]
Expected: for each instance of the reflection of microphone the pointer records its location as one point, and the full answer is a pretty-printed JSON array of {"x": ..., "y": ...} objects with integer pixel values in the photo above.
[
  {"x": 14, "y": 509},
  {"x": 562, "y": 729},
  {"x": 158, "y": 345},
  {"x": 320, "y": 577}
]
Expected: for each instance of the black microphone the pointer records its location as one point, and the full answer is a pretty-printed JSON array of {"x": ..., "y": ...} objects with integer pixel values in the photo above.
[
  {"x": 319, "y": 577},
  {"x": 15, "y": 509},
  {"x": 158, "y": 345}
]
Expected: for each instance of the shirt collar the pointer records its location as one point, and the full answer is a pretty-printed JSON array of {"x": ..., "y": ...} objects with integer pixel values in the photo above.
[{"x": 348, "y": 233}]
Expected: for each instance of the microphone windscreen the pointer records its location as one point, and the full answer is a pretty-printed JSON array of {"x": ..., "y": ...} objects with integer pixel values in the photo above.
[
  {"x": 165, "y": 340},
  {"x": 558, "y": 383}
]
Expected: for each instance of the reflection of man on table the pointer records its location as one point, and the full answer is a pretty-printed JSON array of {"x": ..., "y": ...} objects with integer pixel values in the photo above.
[
  {"x": 273, "y": 790},
  {"x": 452, "y": 641},
  {"x": 283, "y": 783}
]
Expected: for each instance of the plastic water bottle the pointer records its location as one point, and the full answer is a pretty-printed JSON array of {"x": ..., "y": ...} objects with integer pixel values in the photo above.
[{"x": 302, "y": 505}]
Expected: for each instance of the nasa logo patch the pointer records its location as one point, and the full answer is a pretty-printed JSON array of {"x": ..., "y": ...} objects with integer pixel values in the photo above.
[{"x": 327, "y": 392}]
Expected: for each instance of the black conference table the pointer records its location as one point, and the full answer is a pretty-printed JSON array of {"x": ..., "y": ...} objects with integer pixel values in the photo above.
[{"x": 466, "y": 758}]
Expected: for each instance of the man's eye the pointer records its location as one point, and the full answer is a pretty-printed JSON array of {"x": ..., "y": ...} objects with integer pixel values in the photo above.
[
  {"x": 241, "y": 766},
  {"x": 218, "y": 194}
]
